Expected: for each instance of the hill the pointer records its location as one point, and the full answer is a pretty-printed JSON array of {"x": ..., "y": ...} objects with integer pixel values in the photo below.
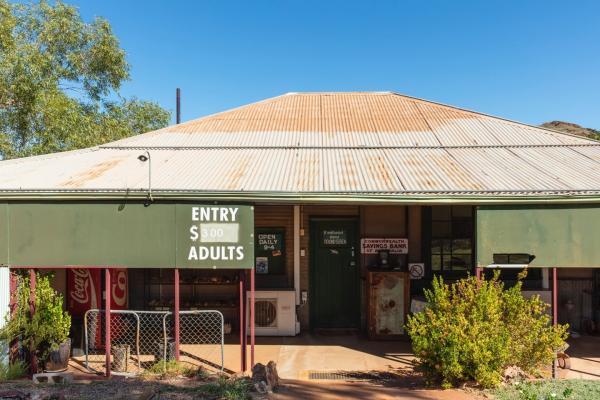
[{"x": 574, "y": 129}]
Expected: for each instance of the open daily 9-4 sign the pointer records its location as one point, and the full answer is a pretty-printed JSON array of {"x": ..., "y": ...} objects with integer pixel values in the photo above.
[{"x": 215, "y": 236}]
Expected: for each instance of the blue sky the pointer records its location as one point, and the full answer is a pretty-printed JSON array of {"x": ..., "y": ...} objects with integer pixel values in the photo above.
[{"x": 531, "y": 61}]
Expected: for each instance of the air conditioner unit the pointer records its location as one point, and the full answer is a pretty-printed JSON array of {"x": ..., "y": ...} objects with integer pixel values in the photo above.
[{"x": 274, "y": 313}]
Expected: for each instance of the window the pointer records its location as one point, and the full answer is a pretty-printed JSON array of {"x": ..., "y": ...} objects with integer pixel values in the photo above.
[{"x": 451, "y": 245}]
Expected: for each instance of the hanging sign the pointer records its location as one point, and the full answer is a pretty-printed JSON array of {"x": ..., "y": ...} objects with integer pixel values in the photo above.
[
  {"x": 270, "y": 251},
  {"x": 212, "y": 236},
  {"x": 374, "y": 245}
]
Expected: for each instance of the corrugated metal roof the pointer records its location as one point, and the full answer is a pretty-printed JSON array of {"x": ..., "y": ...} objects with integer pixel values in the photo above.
[
  {"x": 347, "y": 120},
  {"x": 307, "y": 143}
]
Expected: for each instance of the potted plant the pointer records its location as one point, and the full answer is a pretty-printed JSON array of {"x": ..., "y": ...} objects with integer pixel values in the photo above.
[{"x": 46, "y": 331}]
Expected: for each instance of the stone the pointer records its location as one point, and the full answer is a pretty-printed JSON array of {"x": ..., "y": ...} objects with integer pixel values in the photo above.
[
  {"x": 514, "y": 374},
  {"x": 259, "y": 378},
  {"x": 265, "y": 377},
  {"x": 272, "y": 375}
]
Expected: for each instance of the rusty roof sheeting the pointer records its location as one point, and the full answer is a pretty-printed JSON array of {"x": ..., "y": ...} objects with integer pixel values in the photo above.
[{"x": 328, "y": 143}]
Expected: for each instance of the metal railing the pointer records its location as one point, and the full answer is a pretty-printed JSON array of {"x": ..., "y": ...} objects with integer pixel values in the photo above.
[
  {"x": 140, "y": 339},
  {"x": 199, "y": 328}
]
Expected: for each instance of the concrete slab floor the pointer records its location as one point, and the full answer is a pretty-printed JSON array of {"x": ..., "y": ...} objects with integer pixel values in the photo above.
[
  {"x": 295, "y": 356},
  {"x": 584, "y": 353}
]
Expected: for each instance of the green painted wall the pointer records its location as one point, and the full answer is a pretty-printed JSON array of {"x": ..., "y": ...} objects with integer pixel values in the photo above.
[
  {"x": 109, "y": 234},
  {"x": 559, "y": 236}
]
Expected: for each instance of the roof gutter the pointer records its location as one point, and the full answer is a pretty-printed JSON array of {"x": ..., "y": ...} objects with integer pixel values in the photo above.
[{"x": 513, "y": 197}]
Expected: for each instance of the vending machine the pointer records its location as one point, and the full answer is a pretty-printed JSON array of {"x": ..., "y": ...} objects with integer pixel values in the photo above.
[{"x": 85, "y": 289}]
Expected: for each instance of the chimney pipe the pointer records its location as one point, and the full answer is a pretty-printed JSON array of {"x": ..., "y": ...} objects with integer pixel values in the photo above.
[{"x": 178, "y": 106}]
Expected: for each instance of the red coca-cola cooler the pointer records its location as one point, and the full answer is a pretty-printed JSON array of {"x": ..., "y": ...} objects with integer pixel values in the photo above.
[{"x": 84, "y": 292}]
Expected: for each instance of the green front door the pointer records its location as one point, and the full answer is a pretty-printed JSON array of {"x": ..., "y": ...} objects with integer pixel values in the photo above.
[{"x": 335, "y": 300}]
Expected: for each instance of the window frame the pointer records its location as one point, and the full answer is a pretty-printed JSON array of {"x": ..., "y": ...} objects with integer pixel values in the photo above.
[{"x": 428, "y": 221}]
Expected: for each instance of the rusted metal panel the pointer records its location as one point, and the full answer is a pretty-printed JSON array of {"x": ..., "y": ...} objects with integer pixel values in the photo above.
[
  {"x": 348, "y": 119},
  {"x": 370, "y": 143},
  {"x": 389, "y": 294}
]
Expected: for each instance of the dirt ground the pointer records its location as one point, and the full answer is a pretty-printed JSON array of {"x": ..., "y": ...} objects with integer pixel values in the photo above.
[
  {"x": 183, "y": 389},
  {"x": 384, "y": 372},
  {"x": 361, "y": 390}
]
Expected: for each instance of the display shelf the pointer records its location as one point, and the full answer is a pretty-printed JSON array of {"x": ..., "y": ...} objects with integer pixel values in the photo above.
[
  {"x": 193, "y": 284},
  {"x": 199, "y": 290}
]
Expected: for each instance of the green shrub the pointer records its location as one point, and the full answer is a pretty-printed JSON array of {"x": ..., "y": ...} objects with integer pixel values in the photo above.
[
  {"x": 171, "y": 369},
  {"x": 228, "y": 389},
  {"x": 473, "y": 329},
  {"x": 15, "y": 370},
  {"x": 50, "y": 324}
]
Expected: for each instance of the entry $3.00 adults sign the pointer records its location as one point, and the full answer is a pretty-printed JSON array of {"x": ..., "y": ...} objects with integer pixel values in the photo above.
[{"x": 215, "y": 236}]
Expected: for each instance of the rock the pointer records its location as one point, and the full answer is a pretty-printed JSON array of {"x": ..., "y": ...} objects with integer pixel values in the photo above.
[
  {"x": 265, "y": 377},
  {"x": 259, "y": 378},
  {"x": 272, "y": 375},
  {"x": 513, "y": 373}
]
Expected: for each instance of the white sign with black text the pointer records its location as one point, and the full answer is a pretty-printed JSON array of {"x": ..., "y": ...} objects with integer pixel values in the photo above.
[{"x": 374, "y": 245}]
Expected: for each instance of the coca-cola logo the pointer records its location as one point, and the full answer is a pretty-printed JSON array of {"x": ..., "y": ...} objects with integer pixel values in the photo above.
[
  {"x": 119, "y": 288},
  {"x": 84, "y": 291}
]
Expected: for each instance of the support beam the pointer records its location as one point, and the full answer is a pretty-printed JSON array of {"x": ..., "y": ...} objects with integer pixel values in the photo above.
[
  {"x": 107, "y": 290},
  {"x": 554, "y": 311},
  {"x": 252, "y": 318},
  {"x": 297, "y": 253},
  {"x": 554, "y": 297},
  {"x": 242, "y": 324},
  {"x": 33, "y": 367},
  {"x": 176, "y": 312}
]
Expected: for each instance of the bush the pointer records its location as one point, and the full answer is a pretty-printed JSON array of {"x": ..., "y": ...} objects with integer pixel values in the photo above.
[
  {"x": 474, "y": 329},
  {"x": 47, "y": 328},
  {"x": 228, "y": 389},
  {"x": 172, "y": 369},
  {"x": 8, "y": 372}
]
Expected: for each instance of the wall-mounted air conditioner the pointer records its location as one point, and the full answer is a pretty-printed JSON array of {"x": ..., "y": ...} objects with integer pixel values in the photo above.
[{"x": 274, "y": 313}]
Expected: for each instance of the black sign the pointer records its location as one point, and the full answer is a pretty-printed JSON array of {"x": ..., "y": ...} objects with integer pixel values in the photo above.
[{"x": 270, "y": 251}]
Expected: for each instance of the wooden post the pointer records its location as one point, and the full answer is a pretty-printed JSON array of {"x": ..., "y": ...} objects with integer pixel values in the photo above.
[
  {"x": 176, "y": 313},
  {"x": 107, "y": 290},
  {"x": 252, "y": 318},
  {"x": 33, "y": 367}
]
